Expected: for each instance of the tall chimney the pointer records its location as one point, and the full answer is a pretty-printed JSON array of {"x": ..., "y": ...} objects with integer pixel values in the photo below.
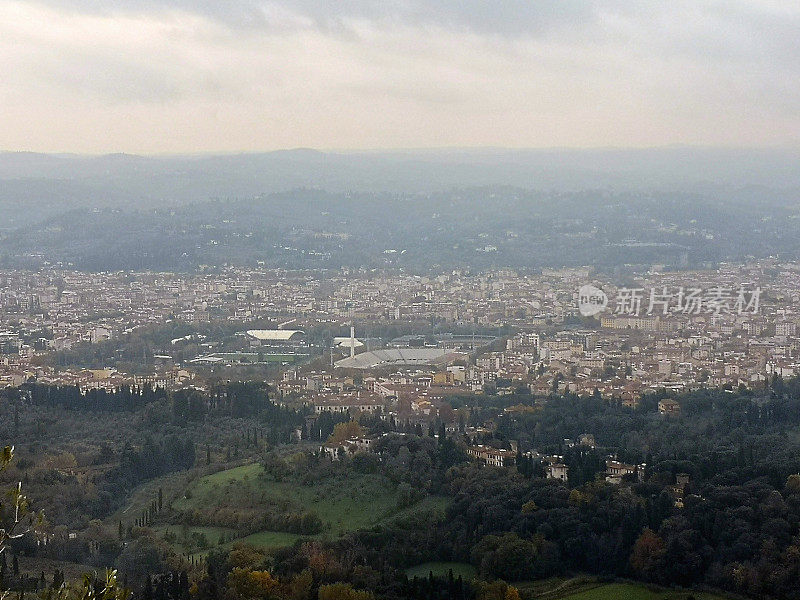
[{"x": 352, "y": 341}]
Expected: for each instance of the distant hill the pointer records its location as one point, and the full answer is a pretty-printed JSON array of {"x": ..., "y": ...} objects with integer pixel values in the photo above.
[
  {"x": 472, "y": 228},
  {"x": 413, "y": 209},
  {"x": 123, "y": 179}
]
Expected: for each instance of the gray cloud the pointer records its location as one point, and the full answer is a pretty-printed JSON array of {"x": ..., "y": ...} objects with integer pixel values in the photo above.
[
  {"x": 711, "y": 30},
  {"x": 231, "y": 74},
  {"x": 515, "y": 17},
  {"x": 239, "y": 13}
]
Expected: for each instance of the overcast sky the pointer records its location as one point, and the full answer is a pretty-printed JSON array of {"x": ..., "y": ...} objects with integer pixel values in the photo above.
[{"x": 154, "y": 76}]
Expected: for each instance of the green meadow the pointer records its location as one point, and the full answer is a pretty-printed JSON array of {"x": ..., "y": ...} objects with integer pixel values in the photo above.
[
  {"x": 343, "y": 504},
  {"x": 588, "y": 588},
  {"x": 631, "y": 591}
]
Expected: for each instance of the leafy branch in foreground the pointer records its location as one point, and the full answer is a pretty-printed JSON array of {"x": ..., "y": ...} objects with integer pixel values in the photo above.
[
  {"x": 90, "y": 588},
  {"x": 16, "y": 521},
  {"x": 14, "y": 510}
]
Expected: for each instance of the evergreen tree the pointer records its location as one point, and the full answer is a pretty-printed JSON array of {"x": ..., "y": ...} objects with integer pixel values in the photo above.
[{"x": 147, "y": 594}]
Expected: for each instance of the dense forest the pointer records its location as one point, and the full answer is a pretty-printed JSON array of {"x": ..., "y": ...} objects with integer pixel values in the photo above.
[{"x": 734, "y": 523}]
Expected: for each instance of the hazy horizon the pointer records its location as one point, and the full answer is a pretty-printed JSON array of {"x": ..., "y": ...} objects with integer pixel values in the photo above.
[{"x": 422, "y": 150}]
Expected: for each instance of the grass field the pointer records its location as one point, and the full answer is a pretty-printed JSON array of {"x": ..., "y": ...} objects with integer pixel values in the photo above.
[
  {"x": 253, "y": 357},
  {"x": 631, "y": 591},
  {"x": 436, "y": 504},
  {"x": 185, "y": 541},
  {"x": 171, "y": 484},
  {"x": 342, "y": 504},
  {"x": 270, "y": 539},
  {"x": 204, "y": 484},
  {"x": 441, "y": 569},
  {"x": 588, "y": 588}
]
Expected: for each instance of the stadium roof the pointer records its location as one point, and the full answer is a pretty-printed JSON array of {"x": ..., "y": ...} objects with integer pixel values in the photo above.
[
  {"x": 274, "y": 335},
  {"x": 394, "y": 356}
]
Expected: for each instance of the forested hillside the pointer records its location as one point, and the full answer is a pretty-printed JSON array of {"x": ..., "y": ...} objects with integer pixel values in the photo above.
[{"x": 87, "y": 460}]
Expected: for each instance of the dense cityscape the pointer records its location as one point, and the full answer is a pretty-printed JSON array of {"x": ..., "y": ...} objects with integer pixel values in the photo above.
[{"x": 531, "y": 331}]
